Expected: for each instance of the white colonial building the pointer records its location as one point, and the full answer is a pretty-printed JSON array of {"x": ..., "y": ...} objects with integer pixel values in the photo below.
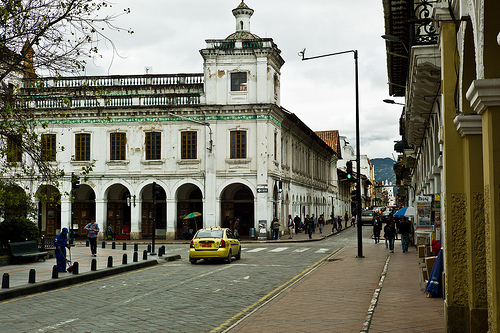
[{"x": 218, "y": 143}]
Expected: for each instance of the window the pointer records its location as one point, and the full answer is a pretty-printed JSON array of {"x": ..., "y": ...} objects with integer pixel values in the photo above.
[
  {"x": 188, "y": 145},
  {"x": 48, "y": 142},
  {"x": 14, "y": 150},
  {"x": 82, "y": 147},
  {"x": 239, "y": 81},
  {"x": 117, "y": 144},
  {"x": 238, "y": 144},
  {"x": 153, "y": 145}
]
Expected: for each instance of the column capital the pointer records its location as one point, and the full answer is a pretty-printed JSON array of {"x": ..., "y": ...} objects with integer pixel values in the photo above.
[
  {"x": 468, "y": 124},
  {"x": 483, "y": 94},
  {"x": 440, "y": 12}
]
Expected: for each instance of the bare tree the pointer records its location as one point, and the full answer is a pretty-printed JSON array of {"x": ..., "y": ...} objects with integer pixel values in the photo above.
[{"x": 48, "y": 37}]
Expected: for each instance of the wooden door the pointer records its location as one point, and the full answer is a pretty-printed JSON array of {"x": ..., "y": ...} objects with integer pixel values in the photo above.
[
  {"x": 81, "y": 217},
  {"x": 115, "y": 216},
  {"x": 51, "y": 219},
  {"x": 147, "y": 219}
]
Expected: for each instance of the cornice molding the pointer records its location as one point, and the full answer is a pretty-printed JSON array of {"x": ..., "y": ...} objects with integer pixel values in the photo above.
[
  {"x": 468, "y": 124},
  {"x": 483, "y": 94}
]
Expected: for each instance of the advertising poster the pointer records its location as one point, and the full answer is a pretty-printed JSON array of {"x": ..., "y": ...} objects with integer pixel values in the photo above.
[{"x": 424, "y": 211}]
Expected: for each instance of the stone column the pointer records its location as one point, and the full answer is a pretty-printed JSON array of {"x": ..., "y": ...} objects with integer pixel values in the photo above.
[
  {"x": 135, "y": 218},
  {"x": 484, "y": 97},
  {"x": 455, "y": 198},
  {"x": 469, "y": 127},
  {"x": 101, "y": 215}
]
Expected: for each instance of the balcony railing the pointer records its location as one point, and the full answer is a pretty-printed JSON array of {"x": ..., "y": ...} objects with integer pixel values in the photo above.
[
  {"x": 423, "y": 29},
  {"x": 115, "y": 81}
]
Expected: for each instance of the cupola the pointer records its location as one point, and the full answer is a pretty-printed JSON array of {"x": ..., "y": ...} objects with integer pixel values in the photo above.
[{"x": 242, "y": 14}]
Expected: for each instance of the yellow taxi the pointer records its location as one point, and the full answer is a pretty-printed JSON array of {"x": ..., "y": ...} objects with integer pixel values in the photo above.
[{"x": 214, "y": 243}]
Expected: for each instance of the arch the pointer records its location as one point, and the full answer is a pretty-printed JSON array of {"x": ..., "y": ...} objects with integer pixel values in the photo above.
[
  {"x": 153, "y": 210},
  {"x": 189, "y": 199},
  {"x": 238, "y": 202}
]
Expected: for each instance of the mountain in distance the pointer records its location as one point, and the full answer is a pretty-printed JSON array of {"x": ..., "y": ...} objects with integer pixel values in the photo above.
[{"x": 383, "y": 169}]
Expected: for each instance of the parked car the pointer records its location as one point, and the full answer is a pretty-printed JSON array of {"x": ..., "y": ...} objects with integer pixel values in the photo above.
[
  {"x": 368, "y": 217},
  {"x": 214, "y": 243}
]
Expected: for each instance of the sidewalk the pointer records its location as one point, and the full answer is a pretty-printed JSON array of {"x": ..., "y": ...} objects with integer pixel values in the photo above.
[{"x": 337, "y": 296}]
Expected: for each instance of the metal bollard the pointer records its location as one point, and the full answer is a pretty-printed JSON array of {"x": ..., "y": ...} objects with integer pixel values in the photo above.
[
  {"x": 160, "y": 252},
  {"x": 5, "y": 280},
  {"x": 113, "y": 245},
  {"x": 110, "y": 261},
  {"x": 149, "y": 248},
  {"x": 55, "y": 272},
  {"x": 124, "y": 259},
  {"x": 136, "y": 257},
  {"x": 32, "y": 275},
  {"x": 93, "y": 265},
  {"x": 145, "y": 255},
  {"x": 103, "y": 244},
  {"x": 76, "y": 267},
  {"x": 87, "y": 244},
  {"x": 136, "y": 247},
  {"x": 124, "y": 246}
]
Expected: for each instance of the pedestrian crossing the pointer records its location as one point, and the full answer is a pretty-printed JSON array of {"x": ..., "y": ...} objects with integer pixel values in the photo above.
[{"x": 284, "y": 249}]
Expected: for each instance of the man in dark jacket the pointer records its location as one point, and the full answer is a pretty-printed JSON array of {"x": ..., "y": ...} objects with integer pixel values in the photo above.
[
  {"x": 296, "y": 222},
  {"x": 405, "y": 230}
]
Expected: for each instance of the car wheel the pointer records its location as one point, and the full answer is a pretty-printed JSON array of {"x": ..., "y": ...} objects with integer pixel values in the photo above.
[
  {"x": 192, "y": 261},
  {"x": 228, "y": 259},
  {"x": 238, "y": 256}
]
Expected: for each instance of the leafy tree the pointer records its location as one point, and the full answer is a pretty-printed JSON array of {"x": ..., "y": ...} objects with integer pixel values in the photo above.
[{"x": 48, "y": 37}]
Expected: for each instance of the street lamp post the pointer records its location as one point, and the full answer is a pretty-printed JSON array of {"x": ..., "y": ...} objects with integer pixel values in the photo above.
[{"x": 358, "y": 159}]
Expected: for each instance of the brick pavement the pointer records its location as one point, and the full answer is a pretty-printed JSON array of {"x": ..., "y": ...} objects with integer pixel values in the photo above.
[{"x": 337, "y": 295}]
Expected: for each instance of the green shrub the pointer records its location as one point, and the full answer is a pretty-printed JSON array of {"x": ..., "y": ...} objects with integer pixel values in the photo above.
[{"x": 18, "y": 229}]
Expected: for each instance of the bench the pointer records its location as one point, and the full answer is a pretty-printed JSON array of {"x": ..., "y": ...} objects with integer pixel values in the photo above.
[{"x": 27, "y": 249}]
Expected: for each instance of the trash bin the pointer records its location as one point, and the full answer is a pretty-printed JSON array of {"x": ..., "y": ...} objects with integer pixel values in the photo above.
[{"x": 252, "y": 233}]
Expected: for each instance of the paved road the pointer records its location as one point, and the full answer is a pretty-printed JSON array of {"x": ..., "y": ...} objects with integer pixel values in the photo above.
[{"x": 172, "y": 297}]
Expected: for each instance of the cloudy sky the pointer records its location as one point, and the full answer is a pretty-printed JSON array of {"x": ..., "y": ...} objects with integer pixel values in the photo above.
[{"x": 168, "y": 35}]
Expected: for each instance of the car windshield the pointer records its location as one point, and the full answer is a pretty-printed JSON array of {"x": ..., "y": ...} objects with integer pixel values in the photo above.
[
  {"x": 209, "y": 234},
  {"x": 367, "y": 213}
]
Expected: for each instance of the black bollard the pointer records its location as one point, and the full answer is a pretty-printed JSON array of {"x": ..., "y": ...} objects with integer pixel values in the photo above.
[
  {"x": 103, "y": 244},
  {"x": 145, "y": 255},
  {"x": 5, "y": 280},
  {"x": 124, "y": 259},
  {"x": 31, "y": 278},
  {"x": 110, "y": 261},
  {"x": 136, "y": 247},
  {"x": 160, "y": 252},
  {"x": 76, "y": 268},
  {"x": 113, "y": 245},
  {"x": 124, "y": 246},
  {"x": 136, "y": 256},
  {"x": 87, "y": 244},
  {"x": 55, "y": 272},
  {"x": 149, "y": 248},
  {"x": 93, "y": 265}
]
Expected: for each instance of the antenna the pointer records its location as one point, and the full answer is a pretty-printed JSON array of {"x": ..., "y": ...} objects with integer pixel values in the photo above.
[{"x": 148, "y": 69}]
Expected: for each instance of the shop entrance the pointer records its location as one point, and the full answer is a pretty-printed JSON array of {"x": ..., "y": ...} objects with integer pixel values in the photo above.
[{"x": 237, "y": 202}]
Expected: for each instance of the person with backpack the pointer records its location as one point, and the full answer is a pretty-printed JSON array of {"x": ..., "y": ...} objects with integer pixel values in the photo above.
[
  {"x": 276, "y": 229},
  {"x": 390, "y": 234},
  {"x": 377, "y": 227},
  {"x": 309, "y": 226}
]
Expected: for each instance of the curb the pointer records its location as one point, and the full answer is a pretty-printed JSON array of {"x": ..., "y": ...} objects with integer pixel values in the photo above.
[{"x": 52, "y": 284}]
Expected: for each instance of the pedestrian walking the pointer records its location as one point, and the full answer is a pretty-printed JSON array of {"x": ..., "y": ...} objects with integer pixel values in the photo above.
[
  {"x": 236, "y": 227},
  {"x": 276, "y": 229},
  {"x": 390, "y": 233},
  {"x": 404, "y": 230},
  {"x": 309, "y": 224},
  {"x": 111, "y": 232},
  {"x": 297, "y": 222},
  {"x": 377, "y": 227},
  {"x": 93, "y": 230},
  {"x": 346, "y": 219},
  {"x": 61, "y": 243},
  {"x": 315, "y": 223},
  {"x": 339, "y": 223},
  {"x": 321, "y": 223},
  {"x": 290, "y": 226}
]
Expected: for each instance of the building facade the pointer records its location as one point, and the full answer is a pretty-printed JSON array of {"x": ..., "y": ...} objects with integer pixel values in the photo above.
[
  {"x": 157, "y": 147},
  {"x": 445, "y": 64}
]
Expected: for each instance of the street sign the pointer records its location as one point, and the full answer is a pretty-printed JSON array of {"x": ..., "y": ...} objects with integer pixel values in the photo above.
[{"x": 262, "y": 190}]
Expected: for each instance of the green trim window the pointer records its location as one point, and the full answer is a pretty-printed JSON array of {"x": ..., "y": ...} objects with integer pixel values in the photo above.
[
  {"x": 48, "y": 152},
  {"x": 14, "y": 149},
  {"x": 188, "y": 145},
  {"x": 239, "y": 81},
  {"x": 82, "y": 147},
  {"x": 153, "y": 145},
  {"x": 238, "y": 144},
  {"x": 117, "y": 145}
]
